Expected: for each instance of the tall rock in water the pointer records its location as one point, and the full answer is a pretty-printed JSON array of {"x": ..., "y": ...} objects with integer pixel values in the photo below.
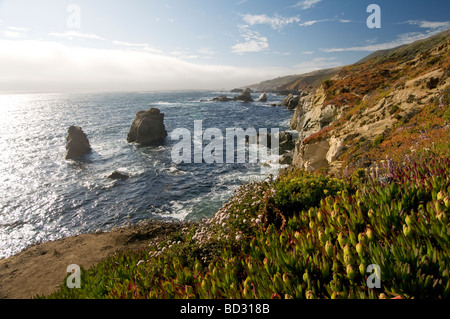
[
  {"x": 77, "y": 143},
  {"x": 148, "y": 128}
]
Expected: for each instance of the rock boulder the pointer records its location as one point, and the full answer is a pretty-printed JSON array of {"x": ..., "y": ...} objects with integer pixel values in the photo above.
[
  {"x": 148, "y": 128},
  {"x": 118, "y": 175},
  {"x": 245, "y": 96},
  {"x": 291, "y": 102},
  {"x": 77, "y": 144},
  {"x": 262, "y": 98}
]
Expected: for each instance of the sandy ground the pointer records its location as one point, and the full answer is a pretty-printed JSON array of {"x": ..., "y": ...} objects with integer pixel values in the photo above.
[{"x": 41, "y": 269}]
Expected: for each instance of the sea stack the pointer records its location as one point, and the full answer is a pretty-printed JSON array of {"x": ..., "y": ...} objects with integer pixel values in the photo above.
[
  {"x": 77, "y": 144},
  {"x": 148, "y": 128},
  {"x": 245, "y": 96}
]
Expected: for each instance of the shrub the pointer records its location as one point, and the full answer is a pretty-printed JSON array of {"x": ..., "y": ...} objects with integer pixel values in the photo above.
[
  {"x": 378, "y": 140},
  {"x": 301, "y": 190}
]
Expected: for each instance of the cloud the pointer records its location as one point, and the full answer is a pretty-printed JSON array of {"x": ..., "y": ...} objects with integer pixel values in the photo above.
[
  {"x": 254, "y": 42},
  {"x": 402, "y": 39},
  {"x": 140, "y": 46},
  {"x": 15, "y": 32},
  {"x": 18, "y": 29},
  {"x": 432, "y": 27},
  {"x": 312, "y": 22},
  {"x": 76, "y": 34},
  {"x": 306, "y": 4},
  {"x": 29, "y": 65},
  {"x": 276, "y": 22},
  {"x": 316, "y": 64},
  {"x": 441, "y": 26}
]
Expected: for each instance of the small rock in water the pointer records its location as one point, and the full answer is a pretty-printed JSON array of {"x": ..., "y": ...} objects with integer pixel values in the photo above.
[
  {"x": 262, "y": 98},
  {"x": 118, "y": 175}
]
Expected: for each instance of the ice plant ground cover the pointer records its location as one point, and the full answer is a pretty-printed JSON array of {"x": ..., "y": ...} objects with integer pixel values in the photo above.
[{"x": 300, "y": 236}]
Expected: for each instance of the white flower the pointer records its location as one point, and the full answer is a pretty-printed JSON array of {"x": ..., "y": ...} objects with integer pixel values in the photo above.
[
  {"x": 238, "y": 237},
  {"x": 140, "y": 262}
]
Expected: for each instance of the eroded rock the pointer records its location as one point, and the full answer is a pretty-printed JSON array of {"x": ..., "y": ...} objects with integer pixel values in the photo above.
[
  {"x": 148, "y": 128},
  {"x": 77, "y": 144}
]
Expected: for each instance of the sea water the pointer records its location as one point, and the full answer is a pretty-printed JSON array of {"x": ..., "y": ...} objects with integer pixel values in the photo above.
[{"x": 43, "y": 197}]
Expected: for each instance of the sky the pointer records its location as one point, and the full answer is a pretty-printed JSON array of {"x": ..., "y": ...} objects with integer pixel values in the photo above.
[{"x": 149, "y": 45}]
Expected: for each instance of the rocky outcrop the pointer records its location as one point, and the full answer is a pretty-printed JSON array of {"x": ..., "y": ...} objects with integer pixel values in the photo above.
[
  {"x": 287, "y": 142},
  {"x": 349, "y": 113},
  {"x": 311, "y": 156},
  {"x": 287, "y": 158},
  {"x": 262, "y": 98},
  {"x": 245, "y": 96},
  {"x": 116, "y": 175},
  {"x": 222, "y": 98},
  {"x": 291, "y": 102},
  {"x": 77, "y": 144},
  {"x": 148, "y": 128}
]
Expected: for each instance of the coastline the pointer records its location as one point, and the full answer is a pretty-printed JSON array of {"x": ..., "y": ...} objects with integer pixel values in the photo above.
[{"x": 41, "y": 269}]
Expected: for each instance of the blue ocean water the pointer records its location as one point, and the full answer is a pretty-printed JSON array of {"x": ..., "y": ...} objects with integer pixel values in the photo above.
[{"x": 44, "y": 197}]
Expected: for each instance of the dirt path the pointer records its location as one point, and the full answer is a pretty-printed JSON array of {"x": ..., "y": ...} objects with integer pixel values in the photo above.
[{"x": 41, "y": 269}]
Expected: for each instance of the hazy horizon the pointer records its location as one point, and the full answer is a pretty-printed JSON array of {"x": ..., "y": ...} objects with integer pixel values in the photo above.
[{"x": 82, "y": 46}]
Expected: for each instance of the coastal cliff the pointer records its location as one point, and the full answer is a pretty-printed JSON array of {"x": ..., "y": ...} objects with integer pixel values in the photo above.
[
  {"x": 303, "y": 235},
  {"x": 375, "y": 108}
]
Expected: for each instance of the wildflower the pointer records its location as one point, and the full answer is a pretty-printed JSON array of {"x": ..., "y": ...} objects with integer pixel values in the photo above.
[
  {"x": 351, "y": 273},
  {"x": 359, "y": 248},
  {"x": 238, "y": 237}
]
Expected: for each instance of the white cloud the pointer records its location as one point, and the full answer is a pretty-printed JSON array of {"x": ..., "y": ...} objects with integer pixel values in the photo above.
[
  {"x": 75, "y": 34},
  {"x": 140, "y": 46},
  {"x": 15, "y": 32},
  {"x": 51, "y": 66},
  {"x": 402, "y": 39},
  {"x": 306, "y": 4},
  {"x": 18, "y": 29},
  {"x": 276, "y": 22},
  {"x": 431, "y": 25},
  {"x": 316, "y": 64},
  {"x": 254, "y": 42},
  {"x": 312, "y": 22}
]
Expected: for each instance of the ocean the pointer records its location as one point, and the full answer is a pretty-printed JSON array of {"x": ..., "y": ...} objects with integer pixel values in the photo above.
[{"x": 43, "y": 197}]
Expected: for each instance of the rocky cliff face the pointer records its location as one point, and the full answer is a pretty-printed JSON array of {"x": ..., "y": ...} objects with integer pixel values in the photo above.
[{"x": 350, "y": 117}]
